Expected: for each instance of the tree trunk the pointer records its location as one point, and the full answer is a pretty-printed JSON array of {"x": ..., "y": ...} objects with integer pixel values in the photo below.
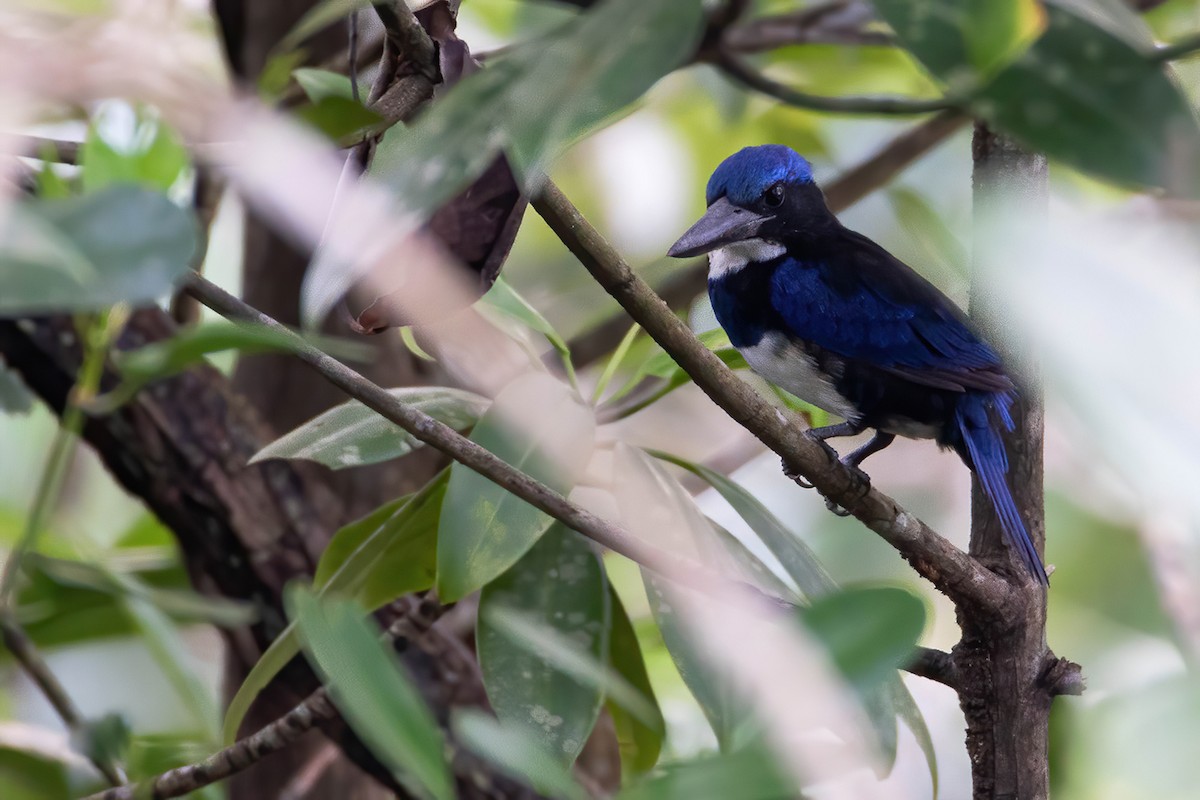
[{"x": 1007, "y": 675}]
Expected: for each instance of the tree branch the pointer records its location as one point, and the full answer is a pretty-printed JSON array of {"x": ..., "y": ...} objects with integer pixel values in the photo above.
[
  {"x": 26, "y": 653},
  {"x": 934, "y": 665},
  {"x": 741, "y": 72},
  {"x": 952, "y": 571},
  {"x": 838, "y": 22},
  {"x": 848, "y": 188},
  {"x": 458, "y": 447}
]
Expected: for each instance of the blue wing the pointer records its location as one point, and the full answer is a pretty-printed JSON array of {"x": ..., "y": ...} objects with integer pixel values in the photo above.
[{"x": 861, "y": 303}]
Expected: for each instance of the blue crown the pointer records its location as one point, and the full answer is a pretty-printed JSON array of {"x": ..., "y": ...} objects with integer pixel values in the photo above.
[{"x": 745, "y": 175}]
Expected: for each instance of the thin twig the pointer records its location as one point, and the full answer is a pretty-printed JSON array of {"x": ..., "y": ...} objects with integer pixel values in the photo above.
[
  {"x": 736, "y": 68},
  {"x": 934, "y": 665},
  {"x": 277, "y": 735},
  {"x": 1185, "y": 47},
  {"x": 26, "y": 653},
  {"x": 952, "y": 571},
  {"x": 839, "y": 22},
  {"x": 848, "y": 188},
  {"x": 65, "y": 151},
  {"x": 463, "y": 450}
]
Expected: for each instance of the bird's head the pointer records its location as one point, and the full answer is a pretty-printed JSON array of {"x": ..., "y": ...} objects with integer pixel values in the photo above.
[{"x": 764, "y": 192}]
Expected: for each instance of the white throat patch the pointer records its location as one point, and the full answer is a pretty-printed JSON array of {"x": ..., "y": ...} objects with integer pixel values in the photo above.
[{"x": 733, "y": 257}]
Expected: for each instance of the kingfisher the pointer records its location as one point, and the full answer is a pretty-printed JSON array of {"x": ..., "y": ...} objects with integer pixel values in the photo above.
[{"x": 830, "y": 316}]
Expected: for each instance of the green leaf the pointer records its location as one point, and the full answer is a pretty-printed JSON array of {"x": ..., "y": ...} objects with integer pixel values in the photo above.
[
  {"x": 515, "y": 752},
  {"x": 936, "y": 241},
  {"x": 372, "y": 690},
  {"x": 155, "y": 161},
  {"x": 350, "y": 435},
  {"x": 390, "y": 552},
  {"x": 29, "y": 773},
  {"x": 883, "y": 703},
  {"x": 1087, "y": 97},
  {"x": 503, "y": 298},
  {"x": 747, "y": 774},
  {"x": 540, "y": 98},
  {"x": 122, "y": 244},
  {"x": 316, "y": 19},
  {"x": 1087, "y": 92},
  {"x": 797, "y": 559},
  {"x": 639, "y": 739},
  {"x": 321, "y": 83},
  {"x": 193, "y": 344},
  {"x": 14, "y": 397},
  {"x": 682, "y": 528},
  {"x": 340, "y": 118},
  {"x": 869, "y": 633},
  {"x": 541, "y": 624},
  {"x": 484, "y": 529}
]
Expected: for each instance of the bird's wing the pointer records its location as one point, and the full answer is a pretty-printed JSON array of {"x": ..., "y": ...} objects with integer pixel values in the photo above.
[{"x": 860, "y": 302}]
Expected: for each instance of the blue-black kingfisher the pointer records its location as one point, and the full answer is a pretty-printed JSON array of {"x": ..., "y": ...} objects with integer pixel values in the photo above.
[{"x": 833, "y": 318}]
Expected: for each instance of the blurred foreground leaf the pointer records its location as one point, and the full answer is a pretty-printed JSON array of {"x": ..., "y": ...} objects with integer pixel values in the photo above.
[
  {"x": 378, "y": 700},
  {"x": 538, "y": 426},
  {"x": 350, "y": 435},
  {"x": 390, "y": 552},
  {"x": 639, "y": 739},
  {"x": 559, "y": 586},
  {"x": 122, "y": 244},
  {"x": 516, "y": 752}
]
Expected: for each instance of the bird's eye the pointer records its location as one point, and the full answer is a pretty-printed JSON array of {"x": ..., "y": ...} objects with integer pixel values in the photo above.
[{"x": 773, "y": 197}]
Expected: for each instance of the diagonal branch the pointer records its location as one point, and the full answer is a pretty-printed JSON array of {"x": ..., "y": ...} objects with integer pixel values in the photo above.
[
  {"x": 23, "y": 650},
  {"x": 743, "y": 73},
  {"x": 952, "y": 571},
  {"x": 458, "y": 447},
  {"x": 848, "y": 188}
]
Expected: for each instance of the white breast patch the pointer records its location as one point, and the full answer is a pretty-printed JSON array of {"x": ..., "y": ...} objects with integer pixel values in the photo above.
[
  {"x": 785, "y": 363},
  {"x": 733, "y": 257}
]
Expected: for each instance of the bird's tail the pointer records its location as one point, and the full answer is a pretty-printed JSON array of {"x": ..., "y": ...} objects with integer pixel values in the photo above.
[{"x": 983, "y": 449}]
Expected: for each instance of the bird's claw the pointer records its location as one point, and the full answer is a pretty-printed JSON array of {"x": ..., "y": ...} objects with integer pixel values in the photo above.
[
  {"x": 795, "y": 476},
  {"x": 835, "y": 509}
]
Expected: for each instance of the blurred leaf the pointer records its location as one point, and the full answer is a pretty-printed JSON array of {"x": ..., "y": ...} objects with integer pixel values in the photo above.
[
  {"x": 935, "y": 240},
  {"x": 900, "y": 700},
  {"x": 996, "y": 33},
  {"x": 1085, "y": 92},
  {"x": 484, "y": 529},
  {"x": 869, "y": 632},
  {"x": 537, "y": 100},
  {"x": 340, "y": 118},
  {"x": 15, "y": 398},
  {"x": 51, "y": 185},
  {"x": 388, "y": 553},
  {"x": 321, "y": 83},
  {"x": 797, "y": 559},
  {"x": 371, "y": 690},
  {"x": 747, "y": 774},
  {"x": 614, "y": 361},
  {"x": 639, "y": 739},
  {"x": 541, "y": 637},
  {"x": 516, "y": 752},
  {"x": 350, "y": 435},
  {"x": 1084, "y": 95},
  {"x": 729, "y": 715},
  {"x": 156, "y": 164},
  {"x": 503, "y": 298},
  {"x": 750, "y": 567},
  {"x": 27, "y": 774},
  {"x": 122, "y": 244},
  {"x": 105, "y": 739},
  {"x": 151, "y": 755},
  {"x": 320, "y": 16},
  {"x": 659, "y": 364}
]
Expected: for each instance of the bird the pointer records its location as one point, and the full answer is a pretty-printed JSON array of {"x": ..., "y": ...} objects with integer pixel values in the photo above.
[{"x": 832, "y": 317}]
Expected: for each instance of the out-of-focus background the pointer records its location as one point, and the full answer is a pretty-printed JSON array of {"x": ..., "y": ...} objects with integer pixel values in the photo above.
[{"x": 1109, "y": 298}]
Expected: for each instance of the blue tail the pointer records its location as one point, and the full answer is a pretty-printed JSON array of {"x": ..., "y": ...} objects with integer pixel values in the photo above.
[{"x": 985, "y": 454}]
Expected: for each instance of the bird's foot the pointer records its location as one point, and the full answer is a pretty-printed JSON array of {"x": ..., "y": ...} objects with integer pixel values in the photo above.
[
  {"x": 795, "y": 476},
  {"x": 836, "y": 509}
]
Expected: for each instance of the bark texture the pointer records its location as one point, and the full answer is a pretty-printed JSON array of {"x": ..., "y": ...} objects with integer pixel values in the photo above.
[{"x": 1007, "y": 676}]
